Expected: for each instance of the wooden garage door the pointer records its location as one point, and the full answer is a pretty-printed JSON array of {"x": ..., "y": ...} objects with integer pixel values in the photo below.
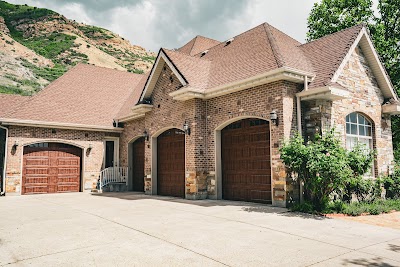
[
  {"x": 138, "y": 165},
  {"x": 51, "y": 168},
  {"x": 246, "y": 161},
  {"x": 171, "y": 163}
]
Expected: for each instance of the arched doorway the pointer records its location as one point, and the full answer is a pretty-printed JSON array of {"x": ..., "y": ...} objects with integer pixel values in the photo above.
[
  {"x": 136, "y": 165},
  {"x": 171, "y": 163},
  {"x": 246, "y": 161},
  {"x": 51, "y": 168}
]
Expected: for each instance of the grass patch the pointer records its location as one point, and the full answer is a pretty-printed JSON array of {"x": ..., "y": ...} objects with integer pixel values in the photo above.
[
  {"x": 353, "y": 209},
  {"x": 50, "y": 46},
  {"x": 14, "y": 90},
  {"x": 46, "y": 73}
]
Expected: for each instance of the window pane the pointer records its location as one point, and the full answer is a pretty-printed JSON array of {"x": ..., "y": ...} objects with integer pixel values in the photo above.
[
  {"x": 353, "y": 117},
  {"x": 348, "y": 118},
  {"x": 361, "y": 119},
  {"x": 347, "y": 128},
  {"x": 361, "y": 130},
  {"x": 353, "y": 129},
  {"x": 368, "y": 130}
]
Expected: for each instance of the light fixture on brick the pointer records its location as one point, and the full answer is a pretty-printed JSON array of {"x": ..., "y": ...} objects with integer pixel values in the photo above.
[
  {"x": 146, "y": 135},
  {"x": 273, "y": 116},
  {"x": 15, "y": 145},
  {"x": 186, "y": 128}
]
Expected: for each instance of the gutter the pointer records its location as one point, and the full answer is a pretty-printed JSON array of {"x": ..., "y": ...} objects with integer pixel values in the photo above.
[
  {"x": 284, "y": 73},
  {"x": 59, "y": 125}
]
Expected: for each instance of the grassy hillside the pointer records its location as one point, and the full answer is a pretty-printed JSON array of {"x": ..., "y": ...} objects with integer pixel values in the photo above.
[{"x": 42, "y": 45}]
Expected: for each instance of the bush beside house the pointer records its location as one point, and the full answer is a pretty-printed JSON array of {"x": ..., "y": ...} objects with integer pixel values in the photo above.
[{"x": 335, "y": 179}]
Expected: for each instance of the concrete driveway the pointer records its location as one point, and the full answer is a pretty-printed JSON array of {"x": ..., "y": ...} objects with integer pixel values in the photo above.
[{"x": 126, "y": 229}]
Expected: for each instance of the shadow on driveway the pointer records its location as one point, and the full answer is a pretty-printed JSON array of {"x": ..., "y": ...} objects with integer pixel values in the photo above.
[{"x": 246, "y": 206}]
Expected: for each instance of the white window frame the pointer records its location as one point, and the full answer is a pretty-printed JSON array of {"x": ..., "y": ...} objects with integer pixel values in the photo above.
[{"x": 358, "y": 137}]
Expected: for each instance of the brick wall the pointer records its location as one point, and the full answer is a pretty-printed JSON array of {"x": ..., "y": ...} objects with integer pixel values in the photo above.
[
  {"x": 92, "y": 162},
  {"x": 204, "y": 118}
]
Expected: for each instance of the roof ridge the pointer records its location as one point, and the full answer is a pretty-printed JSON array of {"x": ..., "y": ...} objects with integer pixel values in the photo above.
[
  {"x": 194, "y": 41},
  {"x": 334, "y": 33},
  {"x": 184, "y": 54},
  {"x": 275, "y": 49},
  {"x": 208, "y": 38},
  {"x": 222, "y": 43},
  {"x": 105, "y": 68}
]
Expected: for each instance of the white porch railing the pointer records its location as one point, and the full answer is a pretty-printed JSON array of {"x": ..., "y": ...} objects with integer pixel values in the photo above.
[{"x": 113, "y": 175}]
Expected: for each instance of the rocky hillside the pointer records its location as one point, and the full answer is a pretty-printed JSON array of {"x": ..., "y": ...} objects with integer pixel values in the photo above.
[{"x": 38, "y": 45}]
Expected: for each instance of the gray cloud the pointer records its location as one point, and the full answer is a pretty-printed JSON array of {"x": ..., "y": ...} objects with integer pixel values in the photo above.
[{"x": 159, "y": 23}]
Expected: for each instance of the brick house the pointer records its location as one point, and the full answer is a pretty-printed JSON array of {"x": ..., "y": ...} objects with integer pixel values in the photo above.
[{"x": 206, "y": 122}]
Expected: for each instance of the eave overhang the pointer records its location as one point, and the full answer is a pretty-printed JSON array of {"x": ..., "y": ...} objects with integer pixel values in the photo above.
[
  {"x": 284, "y": 73},
  {"x": 326, "y": 93},
  {"x": 138, "y": 112},
  {"x": 59, "y": 125},
  {"x": 391, "y": 109}
]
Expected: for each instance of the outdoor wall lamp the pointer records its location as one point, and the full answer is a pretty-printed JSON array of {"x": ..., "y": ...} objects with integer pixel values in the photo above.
[
  {"x": 186, "y": 128},
  {"x": 89, "y": 149},
  {"x": 15, "y": 145},
  {"x": 273, "y": 116},
  {"x": 146, "y": 135}
]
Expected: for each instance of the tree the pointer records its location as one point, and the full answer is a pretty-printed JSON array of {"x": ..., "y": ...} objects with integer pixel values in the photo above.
[{"x": 331, "y": 16}]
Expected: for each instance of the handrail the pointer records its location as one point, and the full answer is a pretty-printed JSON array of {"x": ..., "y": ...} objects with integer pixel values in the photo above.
[{"x": 113, "y": 175}]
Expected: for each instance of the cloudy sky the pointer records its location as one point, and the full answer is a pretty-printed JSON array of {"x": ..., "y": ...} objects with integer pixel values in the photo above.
[{"x": 160, "y": 23}]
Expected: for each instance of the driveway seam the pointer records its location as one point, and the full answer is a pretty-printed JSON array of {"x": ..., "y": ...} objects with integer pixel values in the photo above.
[
  {"x": 139, "y": 231},
  {"x": 54, "y": 253}
]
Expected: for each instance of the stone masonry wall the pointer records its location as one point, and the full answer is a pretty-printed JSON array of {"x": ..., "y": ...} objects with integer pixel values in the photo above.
[
  {"x": 92, "y": 162},
  {"x": 367, "y": 99}
]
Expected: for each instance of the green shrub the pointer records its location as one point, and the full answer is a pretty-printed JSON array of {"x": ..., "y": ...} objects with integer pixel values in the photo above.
[
  {"x": 392, "y": 184},
  {"x": 322, "y": 165}
]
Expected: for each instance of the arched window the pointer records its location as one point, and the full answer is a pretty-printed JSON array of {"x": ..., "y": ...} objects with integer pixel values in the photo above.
[{"x": 358, "y": 131}]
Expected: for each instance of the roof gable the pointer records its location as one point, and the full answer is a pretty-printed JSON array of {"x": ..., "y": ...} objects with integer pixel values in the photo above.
[
  {"x": 198, "y": 45},
  {"x": 327, "y": 53},
  {"x": 155, "y": 72},
  {"x": 364, "y": 41}
]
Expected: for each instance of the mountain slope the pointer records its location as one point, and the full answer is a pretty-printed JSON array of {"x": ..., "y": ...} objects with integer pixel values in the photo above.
[{"x": 38, "y": 45}]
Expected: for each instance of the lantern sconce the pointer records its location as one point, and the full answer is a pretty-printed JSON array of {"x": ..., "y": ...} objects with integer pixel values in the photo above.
[
  {"x": 146, "y": 135},
  {"x": 89, "y": 149},
  {"x": 186, "y": 128},
  {"x": 15, "y": 145},
  {"x": 274, "y": 117}
]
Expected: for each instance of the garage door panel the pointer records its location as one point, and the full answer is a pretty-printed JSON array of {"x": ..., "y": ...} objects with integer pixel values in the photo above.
[
  {"x": 51, "y": 168},
  {"x": 171, "y": 163},
  {"x": 246, "y": 161}
]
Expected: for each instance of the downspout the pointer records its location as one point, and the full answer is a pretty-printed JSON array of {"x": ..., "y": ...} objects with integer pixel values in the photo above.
[
  {"x": 3, "y": 183},
  {"x": 299, "y": 128}
]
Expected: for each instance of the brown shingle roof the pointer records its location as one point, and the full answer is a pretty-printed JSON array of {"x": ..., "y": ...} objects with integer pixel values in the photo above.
[
  {"x": 253, "y": 52},
  {"x": 197, "y": 45},
  {"x": 9, "y": 103},
  {"x": 195, "y": 70},
  {"x": 85, "y": 95},
  {"x": 133, "y": 99},
  {"x": 327, "y": 53},
  {"x": 265, "y": 48}
]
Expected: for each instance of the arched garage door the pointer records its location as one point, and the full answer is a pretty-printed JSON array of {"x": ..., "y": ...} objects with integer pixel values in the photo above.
[
  {"x": 246, "y": 161},
  {"x": 138, "y": 165},
  {"x": 171, "y": 163},
  {"x": 51, "y": 168}
]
